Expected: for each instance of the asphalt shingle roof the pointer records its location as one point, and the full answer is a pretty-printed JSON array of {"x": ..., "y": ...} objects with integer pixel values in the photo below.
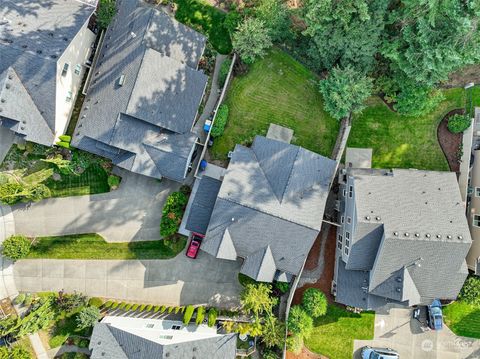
[
  {"x": 150, "y": 116},
  {"x": 33, "y": 35},
  {"x": 273, "y": 195}
]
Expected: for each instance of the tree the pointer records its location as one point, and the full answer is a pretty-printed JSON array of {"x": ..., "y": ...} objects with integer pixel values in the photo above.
[
  {"x": 172, "y": 213},
  {"x": 273, "y": 332},
  {"x": 412, "y": 100},
  {"x": 212, "y": 317},
  {"x": 274, "y": 14},
  {"x": 470, "y": 292},
  {"x": 187, "y": 316},
  {"x": 87, "y": 317},
  {"x": 299, "y": 322},
  {"x": 314, "y": 302},
  {"x": 106, "y": 12},
  {"x": 16, "y": 247},
  {"x": 15, "y": 186},
  {"x": 345, "y": 91},
  {"x": 257, "y": 298},
  {"x": 200, "y": 315},
  {"x": 71, "y": 302},
  {"x": 345, "y": 32},
  {"x": 295, "y": 343},
  {"x": 251, "y": 40}
]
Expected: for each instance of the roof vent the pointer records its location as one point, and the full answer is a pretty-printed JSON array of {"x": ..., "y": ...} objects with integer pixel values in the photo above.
[
  {"x": 417, "y": 235},
  {"x": 398, "y": 279},
  {"x": 377, "y": 218},
  {"x": 133, "y": 35},
  {"x": 439, "y": 236},
  {"x": 367, "y": 218},
  {"x": 407, "y": 234},
  {"x": 449, "y": 236},
  {"x": 53, "y": 56},
  {"x": 395, "y": 234},
  {"x": 427, "y": 235},
  {"x": 3, "y": 100},
  {"x": 39, "y": 52},
  {"x": 24, "y": 46},
  {"x": 460, "y": 237},
  {"x": 121, "y": 80},
  {"x": 398, "y": 289},
  {"x": 7, "y": 86}
]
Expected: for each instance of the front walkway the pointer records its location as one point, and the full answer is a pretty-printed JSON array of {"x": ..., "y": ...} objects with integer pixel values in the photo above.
[
  {"x": 132, "y": 212},
  {"x": 396, "y": 330},
  {"x": 177, "y": 281}
]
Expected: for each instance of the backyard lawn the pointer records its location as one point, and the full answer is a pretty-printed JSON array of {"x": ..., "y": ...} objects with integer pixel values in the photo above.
[
  {"x": 206, "y": 19},
  {"x": 280, "y": 90},
  {"x": 463, "y": 319},
  {"x": 401, "y": 141},
  {"x": 93, "y": 246},
  {"x": 333, "y": 334}
]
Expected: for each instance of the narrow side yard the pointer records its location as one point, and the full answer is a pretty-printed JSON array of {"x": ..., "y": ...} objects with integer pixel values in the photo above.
[
  {"x": 93, "y": 246},
  {"x": 333, "y": 334},
  {"x": 401, "y": 141},
  {"x": 276, "y": 89}
]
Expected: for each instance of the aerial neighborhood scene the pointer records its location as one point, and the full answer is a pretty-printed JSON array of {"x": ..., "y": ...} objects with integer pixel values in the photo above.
[{"x": 221, "y": 179}]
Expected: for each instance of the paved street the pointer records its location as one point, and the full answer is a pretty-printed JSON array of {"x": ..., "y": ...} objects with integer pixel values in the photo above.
[
  {"x": 176, "y": 281},
  {"x": 132, "y": 212},
  {"x": 398, "y": 332}
]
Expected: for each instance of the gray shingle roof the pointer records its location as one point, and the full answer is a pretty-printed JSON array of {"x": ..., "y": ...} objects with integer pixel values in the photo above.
[
  {"x": 260, "y": 265},
  {"x": 114, "y": 343},
  {"x": 273, "y": 195},
  {"x": 420, "y": 239},
  {"x": 160, "y": 95},
  {"x": 202, "y": 205},
  {"x": 33, "y": 35}
]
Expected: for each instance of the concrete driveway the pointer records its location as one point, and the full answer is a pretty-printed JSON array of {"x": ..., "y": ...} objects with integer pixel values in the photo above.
[
  {"x": 176, "y": 281},
  {"x": 396, "y": 330},
  {"x": 132, "y": 212}
]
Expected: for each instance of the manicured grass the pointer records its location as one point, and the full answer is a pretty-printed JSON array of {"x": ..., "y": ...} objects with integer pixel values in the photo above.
[
  {"x": 401, "y": 141},
  {"x": 206, "y": 19},
  {"x": 93, "y": 180},
  {"x": 334, "y": 333},
  {"x": 463, "y": 319},
  {"x": 280, "y": 90},
  {"x": 93, "y": 246}
]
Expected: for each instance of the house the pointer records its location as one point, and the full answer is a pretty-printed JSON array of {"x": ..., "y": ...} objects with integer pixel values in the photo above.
[
  {"x": 44, "y": 48},
  {"x": 138, "y": 338},
  {"x": 403, "y": 238},
  {"x": 268, "y": 210},
  {"x": 144, "y": 95},
  {"x": 473, "y": 216}
]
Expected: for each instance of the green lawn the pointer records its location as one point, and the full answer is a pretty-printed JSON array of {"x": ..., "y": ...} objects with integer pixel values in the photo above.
[
  {"x": 277, "y": 89},
  {"x": 93, "y": 246},
  {"x": 334, "y": 333},
  {"x": 206, "y": 19},
  {"x": 463, "y": 319},
  {"x": 404, "y": 142}
]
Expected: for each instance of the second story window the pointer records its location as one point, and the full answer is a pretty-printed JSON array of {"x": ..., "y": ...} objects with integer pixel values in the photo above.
[
  {"x": 69, "y": 96},
  {"x": 346, "y": 251},
  {"x": 350, "y": 191},
  {"x": 65, "y": 70},
  {"x": 349, "y": 220},
  {"x": 347, "y": 235},
  {"x": 78, "y": 69},
  {"x": 476, "y": 220}
]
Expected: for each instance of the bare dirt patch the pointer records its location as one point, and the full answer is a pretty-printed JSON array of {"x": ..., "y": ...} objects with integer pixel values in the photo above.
[{"x": 464, "y": 76}]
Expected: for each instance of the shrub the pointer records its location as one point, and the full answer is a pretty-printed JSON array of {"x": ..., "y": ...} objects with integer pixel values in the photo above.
[
  {"x": 16, "y": 247},
  {"x": 20, "y": 299},
  {"x": 294, "y": 343},
  {"x": 270, "y": 354},
  {"x": 63, "y": 144},
  {"x": 282, "y": 286},
  {"x": 148, "y": 308},
  {"x": 128, "y": 307},
  {"x": 116, "y": 305},
  {"x": 299, "y": 322},
  {"x": 163, "y": 309},
  {"x": 156, "y": 308},
  {"x": 182, "y": 309},
  {"x": 134, "y": 307},
  {"x": 470, "y": 292},
  {"x": 95, "y": 302},
  {"x": 142, "y": 308},
  {"x": 222, "y": 75},
  {"x": 172, "y": 213},
  {"x": 188, "y": 314},
  {"x": 314, "y": 302},
  {"x": 458, "y": 123},
  {"x": 177, "y": 309},
  {"x": 87, "y": 317},
  {"x": 107, "y": 304},
  {"x": 212, "y": 317},
  {"x": 106, "y": 12},
  {"x": 413, "y": 100},
  {"x": 170, "y": 309},
  {"x": 113, "y": 181},
  {"x": 200, "y": 315},
  {"x": 220, "y": 121},
  {"x": 256, "y": 298},
  {"x": 65, "y": 138},
  {"x": 28, "y": 299}
]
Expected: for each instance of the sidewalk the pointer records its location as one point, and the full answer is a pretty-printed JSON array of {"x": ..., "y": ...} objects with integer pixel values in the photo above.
[
  {"x": 7, "y": 228},
  {"x": 38, "y": 346}
]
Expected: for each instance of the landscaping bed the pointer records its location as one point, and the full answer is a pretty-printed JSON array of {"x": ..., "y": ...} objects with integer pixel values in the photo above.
[
  {"x": 93, "y": 246},
  {"x": 405, "y": 141},
  {"x": 277, "y": 89},
  {"x": 451, "y": 143}
]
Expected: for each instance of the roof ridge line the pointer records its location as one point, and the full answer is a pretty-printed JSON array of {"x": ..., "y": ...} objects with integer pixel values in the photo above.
[{"x": 290, "y": 173}]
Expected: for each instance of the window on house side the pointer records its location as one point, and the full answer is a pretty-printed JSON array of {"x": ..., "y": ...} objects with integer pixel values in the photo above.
[
  {"x": 69, "y": 96},
  {"x": 346, "y": 251},
  {"x": 350, "y": 191},
  {"x": 347, "y": 243},
  {"x": 339, "y": 245},
  {"x": 349, "y": 220},
  {"x": 78, "y": 69},
  {"x": 64, "y": 70},
  {"x": 342, "y": 219},
  {"x": 347, "y": 235},
  {"x": 476, "y": 220}
]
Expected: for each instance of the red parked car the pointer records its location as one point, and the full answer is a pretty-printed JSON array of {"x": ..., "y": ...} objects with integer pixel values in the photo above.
[{"x": 194, "y": 245}]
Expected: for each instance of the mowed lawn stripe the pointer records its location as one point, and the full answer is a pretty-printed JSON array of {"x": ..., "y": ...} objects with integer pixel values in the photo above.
[{"x": 277, "y": 89}]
